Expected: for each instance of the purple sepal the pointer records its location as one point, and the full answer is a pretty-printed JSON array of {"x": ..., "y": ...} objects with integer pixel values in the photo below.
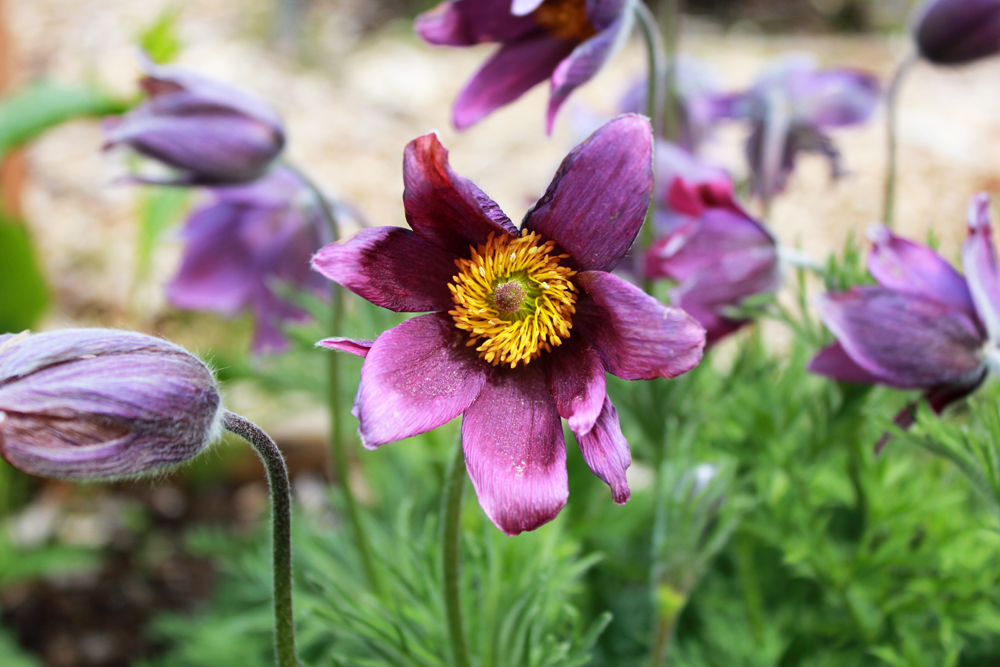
[
  {"x": 467, "y": 23},
  {"x": 606, "y": 452},
  {"x": 834, "y": 362},
  {"x": 980, "y": 262},
  {"x": 358, "y": 348},
  {"x": 100, "y": 403},
  {"x": 211, "y": 132},
  {"x": 955, "y": 32},
  {"x": 575, "y": 374}
]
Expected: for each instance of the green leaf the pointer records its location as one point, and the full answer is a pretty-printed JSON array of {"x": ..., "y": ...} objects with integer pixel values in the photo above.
[
  {"x": 159, "y": 40},
  {"x": 23, "y": 294},
  {"x": 159, "y": 209},
  {"x": 39, "y": 106}
]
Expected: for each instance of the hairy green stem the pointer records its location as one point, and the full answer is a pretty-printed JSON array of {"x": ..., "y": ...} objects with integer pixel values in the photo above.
[
  {"x": 663, "y": 631},
  {"x": 281, "y": 524},
  {"x": 889, "y": 196},
  {"x": 451, "y": 512}
]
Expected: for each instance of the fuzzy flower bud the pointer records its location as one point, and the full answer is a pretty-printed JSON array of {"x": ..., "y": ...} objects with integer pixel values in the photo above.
[
  {"x": 954, "y": 32},
  {"x": 101, "y": 403},
  {"x": 211, "y": 132}
]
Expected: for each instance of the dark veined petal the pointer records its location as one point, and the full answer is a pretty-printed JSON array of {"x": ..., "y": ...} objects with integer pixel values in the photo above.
[
  {"x": 954, "y": 32},
  {"x": 597, "y": 200},
  {"x": 392, "y": 267},
  {"x": 904, "y": 266},
  {"x": 606, "y": 451},
  {"x": 581, "y": 66},
  {"x": 833, "y": 362},
  {"x": 512, "y": 71},
  {"x": 416, "y": 377},
  {"x": 637, "y": 337},
  {"x": 980, "y": 262},
  {"x": 514, "y": 450},
  {"x": 909, "y": 341},
  {"x": 356, "y": 347},
  {"x": 441, "y": 206},
  {"x": 466, "y": 23},
  {"x": 575, "y": 374}
]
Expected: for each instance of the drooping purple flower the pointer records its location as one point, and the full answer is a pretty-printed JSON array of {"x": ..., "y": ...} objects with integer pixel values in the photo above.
[
  {"x": 523, "y": 324},
  {"x": 100, "y": 403},
  {"x": 925, "y": 326},
  {"x": 244, "y": 239},
  {"x": 789, "y": 108},
  {"x": 566, "y": 41},
  {"x": 209, "y": 131},
  {"x": 955, "y": 32},
  {"x": 718, "y": 254}
]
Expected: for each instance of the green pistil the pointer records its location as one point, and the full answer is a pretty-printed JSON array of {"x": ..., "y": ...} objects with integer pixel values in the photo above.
[{"x": 514, "y": 296}]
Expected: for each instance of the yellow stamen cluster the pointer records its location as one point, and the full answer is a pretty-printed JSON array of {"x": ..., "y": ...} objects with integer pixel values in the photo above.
[
  {"x": 565, "y": 19},
  {"x": 511, "y": 332}
]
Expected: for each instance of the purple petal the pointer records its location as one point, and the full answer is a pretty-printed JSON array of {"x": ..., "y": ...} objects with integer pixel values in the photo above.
[
  {"x": 441, "y": 206},
  {"x": 514, "y": 450},
  {"x": 835, "y": 97},
  {"x": 980, "y": 262},
  {"x": 833, "y": 362},
  {"x": 416, "y": 377},
  {"x": 465, "y": 23},
  {"x": 358, "y": 348},
  {"x": 512, "y": 71},
  {"x": 606, "y": 451},
  {"x": 575, "y": 375},
  {"x": 581, "y": 66},
  {"x": 524, "y": 7},
  {"x": 907, "y": 340},
  {"x": 904, "y": 266},
  {"x": 392, "y": 267},
  {"x": 637, "y": 337},
  {"x": 674, "y": 162},
  {"x": 954, "y": 32},
  {"x": 602, "y": 13},
  {"x": 597, "y": 201}
]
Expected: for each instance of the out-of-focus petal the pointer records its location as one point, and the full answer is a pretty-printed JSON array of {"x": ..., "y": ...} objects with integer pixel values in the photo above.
[
  {"x": 392, "y": 267},
  {"x": 466, "y": 22},
  {"x": 575, "y": 375},
  {"x": 512, "y": 71},
  {"x": 980, "y": 262},
  {"x": 637, "y": 337},
  {"x": 416, "y": 377},
  {"x": 514, "y": 450},
  {"x": 445, "y": 209},
  {"x": 833, "y": 362},
  {"x": 835, "y": 97},
  {"x": 907, "y": 340},
  {"x": 594, "y": 223},
  {"x": 954, "y": 32},
  {"x": 606, "y": 451},
  {"x": 902, "y": 265},
  {"x": 356, "y": 347}
]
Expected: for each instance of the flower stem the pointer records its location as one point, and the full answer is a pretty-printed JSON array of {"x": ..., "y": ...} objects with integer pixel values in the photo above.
[
  {"x": 657, "y": 69},
  {"x": 662, "y": 634},
  {"x": 451, "y": 512},
  {"x": 281, "y": 523},
  {"x": 669, "y": 15},
  {"x": 335, "y": 403},
  {"x": 889, "y": 197}
]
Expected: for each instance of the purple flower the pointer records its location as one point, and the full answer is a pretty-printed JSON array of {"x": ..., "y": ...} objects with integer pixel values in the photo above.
[
  {"x": 790, "y": 107},
  {"x": 211, "y": 132},
  {"x": 955, "y": 32},
  {"x": 244, "y": 239},
  {"x": 100, "y": 403},
  {"x": 523, "y": 324},
  {"x": 716, "y": 252},
  {"x": 566, "y": 41},
  {"x": 925, "y": 326}
]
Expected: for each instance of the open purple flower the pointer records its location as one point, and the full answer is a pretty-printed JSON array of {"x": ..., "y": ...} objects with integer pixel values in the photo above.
[
  {"x": 955, "y": 32},
  {"x": 209, "y": 131},
  {"x": 925, "y": 326},
  {"x": 790, "y": 107},
  {"x": 566, "y": 41},
  {"x": 716, "y": 252},
  {"x": 244, "y": 239},
  {"x": 523, "y": 324},
  {"x": 99, "y": 403}
]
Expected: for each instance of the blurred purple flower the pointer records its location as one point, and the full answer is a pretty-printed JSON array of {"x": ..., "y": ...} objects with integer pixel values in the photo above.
[
  {"x": 100, "y": 403},
  {"x": 925, "y": 326},
  {"x": 716, "y": 252},
  {"x": 212, "y": 133},
  {"x": 789, "y": 108},
  {"x": 522, "y": 330},
  {"x": 566, "y": 41},
  {"x": 245, "y": 238},
  {"x": 955, "y": 32}
]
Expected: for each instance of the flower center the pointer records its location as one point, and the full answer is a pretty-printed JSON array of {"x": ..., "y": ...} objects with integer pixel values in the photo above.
[
  {"x": 513, "y": 298},
  {"x": 565, "y": 19}
]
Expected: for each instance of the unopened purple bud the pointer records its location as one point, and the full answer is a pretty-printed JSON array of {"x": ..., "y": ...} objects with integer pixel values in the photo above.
[
  {"x": 954, "y": 32},
  {"x": 211, "y": 132},
  {"x": 102, "y": 403}
]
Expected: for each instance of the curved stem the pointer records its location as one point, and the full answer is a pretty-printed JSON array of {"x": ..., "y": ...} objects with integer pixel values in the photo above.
[
  {"x": 669, "y": 14},
  {"x": 451, "y": 512},
  {"x": 656, "y": 66},
  {"x": 889, "y": 197},
  {"x": 335, "y": 402},
  {"x": 281, "y": 524}
]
